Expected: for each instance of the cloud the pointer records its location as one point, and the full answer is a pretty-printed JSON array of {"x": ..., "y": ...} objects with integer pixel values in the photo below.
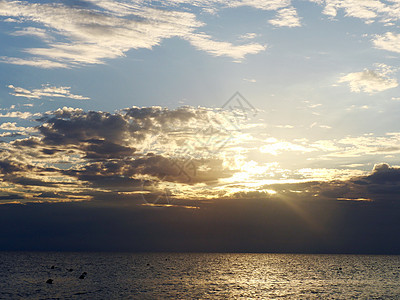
[
  {"x": 214, "y": 5},
  {"x": 286, "y": 17},
  {"x": 389, "y": 42},
  {"x": 373, "y": 146},
  {"x": 204, "y": 42},
  {"x": 380, "y": 185},
  {"x": 275, "y": 147},
  {"x": 103, "y": 159},
  {"x": 12, "y": 126},
  {"x": 248, "y": 36},
  {"x": 17, "y": 114},
  {"x": 368, "y": 10},
  {"x": 33, "y": 31},
  {"x": 370, "y": 81},
  {"x": 260, "y": 4},
  {"x": 80, "y": 35},
  {"x": 10, "y": 197},
  {"x": 252, "y": 80},
  {"x": 34, "y": 62},
  {"x": 9, "y": 134},
  {"x": 46, "y": 91},
  {"x": 360, "y": 146},
  {"x": 133, "y": 150},
  {"x": 187, "y": 153}
]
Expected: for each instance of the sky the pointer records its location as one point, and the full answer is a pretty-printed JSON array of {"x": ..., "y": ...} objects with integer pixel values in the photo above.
[{"x": 200, "y": 125}]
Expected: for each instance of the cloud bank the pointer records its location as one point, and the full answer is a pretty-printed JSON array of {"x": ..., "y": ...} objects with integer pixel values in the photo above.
[{"x": 187, "y": 153}]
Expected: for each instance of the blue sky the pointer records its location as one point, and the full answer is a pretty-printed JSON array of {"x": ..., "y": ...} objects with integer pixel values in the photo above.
[{"x": 323, "y": 76}]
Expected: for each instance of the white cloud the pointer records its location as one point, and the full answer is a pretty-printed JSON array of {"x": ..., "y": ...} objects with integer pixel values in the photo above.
[
  {"x": 12, "y": 126},
  {"x": 6, "y": 134},
  {"x": 389, "y": 41},
  {"x": 368, "y": 10},
  {"x": 204, "y": 42},
  {"x": 33, "y": 62},
  {"x": 248, "y": 36},
  {"x": 78, "y": 35},
  {"x": 370, "y": 81},
  {"x": 16, "y": 114},
  {"x": 46, "y": 91},
  {"x": 286, "y": 17}
]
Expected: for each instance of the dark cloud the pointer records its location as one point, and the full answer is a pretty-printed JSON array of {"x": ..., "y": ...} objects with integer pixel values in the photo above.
[
  {"x": 121, "y": 175},
  {"x": 383, "y": 184},
  {"x": 84, "y": 127},
  {"x": 48, "y": 195},
  {"x": 102, "y": 135},
  {"x": 101, "y": 149},
  {"x": 27, "y": 142},
  {"x": 11, "y": 197},
  {"x": 26, "y": 181},
  {"x": 384, "y": 174},
  {"x": 163, "y": 115},
  {"x": 8, "y": 167},
  {"x": 49, "y": 151}
]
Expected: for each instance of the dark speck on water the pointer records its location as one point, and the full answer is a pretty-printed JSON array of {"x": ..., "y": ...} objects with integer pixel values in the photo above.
[{"x": 198, "y": 276}]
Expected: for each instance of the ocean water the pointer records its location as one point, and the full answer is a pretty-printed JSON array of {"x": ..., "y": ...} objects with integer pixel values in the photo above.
[{"x": 198, "y": 276}]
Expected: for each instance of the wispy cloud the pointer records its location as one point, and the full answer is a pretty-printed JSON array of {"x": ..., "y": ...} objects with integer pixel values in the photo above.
[
  {"x": 46, "y": 91},
  {"x": 260, "y": 4},
  {"x": 34, "y": 62},
  {"x": 33, "y": 31},
  {"x": 78, "y": 35},
  {"x": 252, "y": 80},
  {"x": 204, "y": 42}
]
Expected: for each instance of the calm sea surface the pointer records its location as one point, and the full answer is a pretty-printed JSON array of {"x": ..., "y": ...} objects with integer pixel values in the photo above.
[{"x": 198, "y": 276}]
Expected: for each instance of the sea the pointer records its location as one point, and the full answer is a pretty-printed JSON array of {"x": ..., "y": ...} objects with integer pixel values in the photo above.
[{"x": 24, "y": 275}]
